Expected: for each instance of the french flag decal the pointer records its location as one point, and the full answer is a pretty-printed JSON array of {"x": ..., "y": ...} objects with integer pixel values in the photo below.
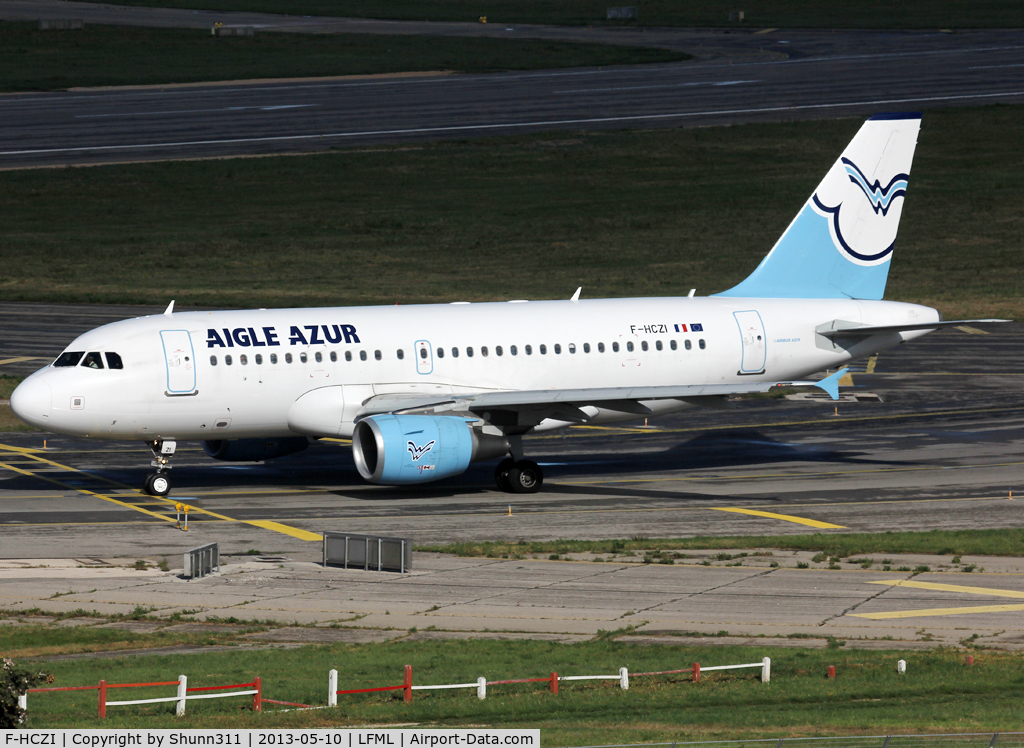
[{"x": 680, "y": 328}]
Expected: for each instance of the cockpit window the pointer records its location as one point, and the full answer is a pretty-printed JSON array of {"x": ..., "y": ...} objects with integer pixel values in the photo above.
[
  {"x": 93, "y": 360},
  {"x": 114, "y": 361},
  {"x": 69, "y": 358}
]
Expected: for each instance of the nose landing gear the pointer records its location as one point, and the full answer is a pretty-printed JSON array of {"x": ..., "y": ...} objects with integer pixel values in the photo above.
[{"x": 159, "y": 483}]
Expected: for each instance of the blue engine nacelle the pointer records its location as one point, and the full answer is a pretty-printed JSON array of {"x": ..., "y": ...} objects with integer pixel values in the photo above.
[
  {"x": 398, "y": 450},
  {"x": 254, "y": 450}
]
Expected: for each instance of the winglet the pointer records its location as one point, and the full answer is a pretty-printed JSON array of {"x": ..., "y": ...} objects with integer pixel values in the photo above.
[
  {"x": 170, "y": 308},
  {"x": 576, "y": 296},
  {"x": 831, "y": 384}
]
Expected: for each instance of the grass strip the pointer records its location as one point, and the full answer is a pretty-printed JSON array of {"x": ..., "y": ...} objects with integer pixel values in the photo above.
[
  {"x": 1008, "y": 542},
  {"x": 34, "y": 60},
  {"x": 862, "y": 14},
  {"x": 937, "y": 694},
  {"x": 625, "y": 213}
]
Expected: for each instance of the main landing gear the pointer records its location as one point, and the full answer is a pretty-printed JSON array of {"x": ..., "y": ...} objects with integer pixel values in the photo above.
[
  {"x": 159, "y": 483},
  {"x": 517, "y": 475}
]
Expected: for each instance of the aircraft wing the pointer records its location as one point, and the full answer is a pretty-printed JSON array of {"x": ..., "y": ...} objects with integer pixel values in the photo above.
[
  {"x": 565, "y": 404},
  {"x": 841, "y": 329}
]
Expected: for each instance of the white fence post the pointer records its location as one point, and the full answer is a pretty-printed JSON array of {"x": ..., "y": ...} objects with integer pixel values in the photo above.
[
  {"x": 766, "y": 669},
  {"x": 901, "y": 666},
  {"x": 179, "y": 710},
  {"x": 332, "y": 688},
  {"x": 623, "y": 679},
  {"x": 481, "y": 687},
  {"x": 23, "y": 706}
]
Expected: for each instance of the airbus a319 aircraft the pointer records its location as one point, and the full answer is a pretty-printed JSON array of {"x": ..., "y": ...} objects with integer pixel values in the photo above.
[{"x": 424, "y": 390}]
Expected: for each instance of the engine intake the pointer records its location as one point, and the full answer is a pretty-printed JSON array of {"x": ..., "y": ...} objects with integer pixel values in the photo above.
[{"x": 399, "y": 450}]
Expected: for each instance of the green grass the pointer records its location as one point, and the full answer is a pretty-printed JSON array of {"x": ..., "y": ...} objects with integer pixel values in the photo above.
[
  {"x": 34, "y": 60},
  {"x": 624, "y": 213},
  {"x": 908, "y": 14},
  {"x": 938, "y": 693},
  {"x": 1009, "y": 542}
]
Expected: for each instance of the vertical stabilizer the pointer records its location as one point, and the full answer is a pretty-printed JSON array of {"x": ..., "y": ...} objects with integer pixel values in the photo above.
[{"x": 840, "y": 244}]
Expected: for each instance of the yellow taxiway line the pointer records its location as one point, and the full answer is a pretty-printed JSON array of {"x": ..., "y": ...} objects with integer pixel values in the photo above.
[
  {"x": 940, "y": 612},
  {"x": 156, "y": 500},
  {"x": 951, "y": 588},
  {"x": 963, "y": 610},
  {"x": 783, "y": 517}
]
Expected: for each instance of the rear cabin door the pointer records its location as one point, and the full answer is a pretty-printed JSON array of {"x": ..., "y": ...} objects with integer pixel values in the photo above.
[
  {"x": 181, "y": 362},
  {"x": 752, "y": 335}
]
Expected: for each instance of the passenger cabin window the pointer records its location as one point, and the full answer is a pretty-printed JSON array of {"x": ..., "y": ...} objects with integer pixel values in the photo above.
[
  {"x": 469, "y": 351},
  {"x": 672, "y": 345},
  {"x": 455, "y": 352},
  {"x": 319, "y": 357},
  {"x": 643, "y": 345},
  {"x": 701, "y": 344},
  {"x": 334, "y": 356},
  {"x": 243, "y": 359},
  {"x": 213, "y": 360},
  {"x": 287, "y": 358},
  {"x": 498, "y": 351},
  {"x": 483, "y": 350},
  {"x": 259, "y": 359},
  {"x": 348, "y": 355},
  {"x": 615, "y": 347},
  {"x": 658, "y": 345},
  {"x": 401, "y": 354},
  {"x": 69, "y": 358},
  {"x": 513, "y": 350},
  {"x": 600, "y": 347},
  {"x": 687, "y": 345},
  {"x": 273, "y": 358},
  {"x": 558, "y": 347},
  {"x": 303, "y": 357},
  {"x": 93, "y": 360},
  {"x": 362, "y": 355},
  {"x": 227, "y": 360},
  {"x": 440, "y": 353},
  {"x": 114, "y": 361},
  {"x": 543, "y": 349},
  {"x": 529, "y": 350},
  {"x": 377, "y": 355},
  {"x": 572, "y": 347},
  {"x": 629, "y": 346}
]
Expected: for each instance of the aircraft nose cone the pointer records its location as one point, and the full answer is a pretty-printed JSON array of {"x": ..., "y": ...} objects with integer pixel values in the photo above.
[{"x": 31, "y": 402}]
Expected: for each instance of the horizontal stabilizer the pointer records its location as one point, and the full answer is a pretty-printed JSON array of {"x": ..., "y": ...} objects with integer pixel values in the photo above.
[{"x": 840, "y": 329}]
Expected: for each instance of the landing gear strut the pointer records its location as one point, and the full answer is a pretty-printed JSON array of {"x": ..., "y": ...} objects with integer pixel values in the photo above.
[
  {"x": 159, "y": 483},
  {"x": 516, "y": 475}
]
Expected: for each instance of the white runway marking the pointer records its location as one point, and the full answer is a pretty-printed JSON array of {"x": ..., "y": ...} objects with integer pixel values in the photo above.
[
  {"x": 508, "y": 125},
  {"x": 194, "y": 111},
  {"x": 660, "y": 85}
]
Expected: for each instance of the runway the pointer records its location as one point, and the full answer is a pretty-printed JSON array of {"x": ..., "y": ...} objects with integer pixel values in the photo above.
[{"x": 748, "y": 78}]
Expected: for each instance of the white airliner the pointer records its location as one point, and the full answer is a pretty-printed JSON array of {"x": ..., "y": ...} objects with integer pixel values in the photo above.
[{"x": 425, "y": 390}]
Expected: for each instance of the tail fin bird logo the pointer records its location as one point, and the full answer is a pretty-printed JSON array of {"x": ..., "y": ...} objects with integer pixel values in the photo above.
[
  {"x": 418, "y": 452},
  {"x": 880, "y": 197}
]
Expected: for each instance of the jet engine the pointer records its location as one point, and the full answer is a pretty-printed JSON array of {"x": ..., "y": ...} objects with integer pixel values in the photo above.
[
  {"x": 254, "y": 450},
  {"x": 398, "y": 450}
]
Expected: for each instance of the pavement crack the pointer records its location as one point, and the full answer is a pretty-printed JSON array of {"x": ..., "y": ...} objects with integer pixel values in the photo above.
[{"x": 856, "y": 605}]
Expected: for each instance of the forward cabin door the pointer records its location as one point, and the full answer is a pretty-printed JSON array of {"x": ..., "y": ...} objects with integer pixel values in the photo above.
[
  {"x": 752, "y": 336},
  {"x": 424, "y": 357},
  {"x": 181, "y": 362}
]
